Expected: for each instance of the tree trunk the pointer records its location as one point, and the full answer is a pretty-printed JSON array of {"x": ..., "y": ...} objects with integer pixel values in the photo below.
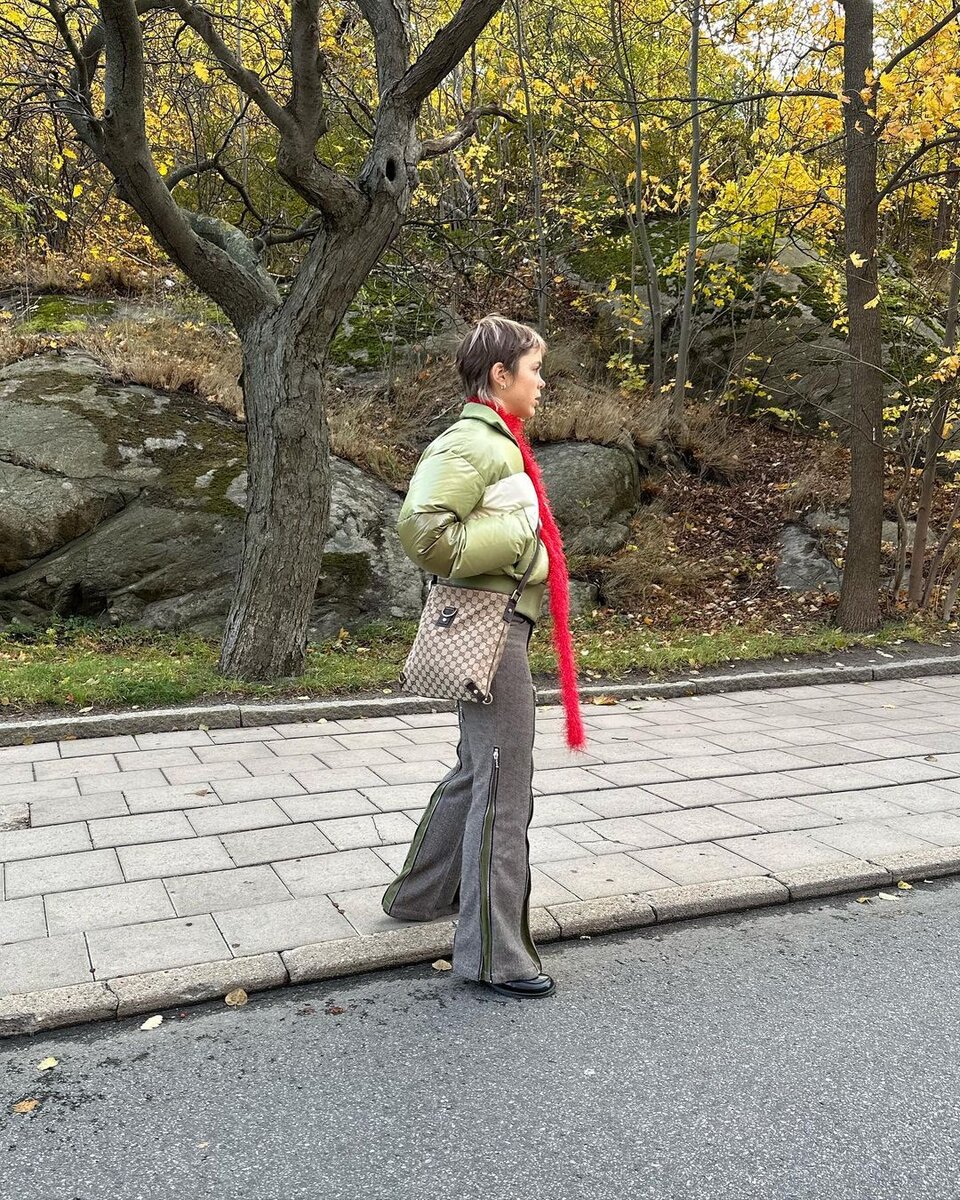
[
  {"x": 860, "y": 593},
  {"x": 288, "y": 506},
  {"x": 686, "y": 315},
  {"x": 536, "y": 183},
  {"x": 934, "y": 444}
]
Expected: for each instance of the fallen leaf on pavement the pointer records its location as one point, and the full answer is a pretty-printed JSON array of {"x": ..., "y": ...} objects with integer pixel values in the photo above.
[
  {"x": 46, "y": 1064},
  {"x": 152, "y": 1022},
  {"x": 863, "y": 899},
  {"x": 236, "y": 998},
  {"x": 25, "y": 1106},
  {"x": 602, "y": 700},
  {"x": 887, "y": 896},
  {"x": 442, "y": 965},
  {"x": 904, "y": 886}
]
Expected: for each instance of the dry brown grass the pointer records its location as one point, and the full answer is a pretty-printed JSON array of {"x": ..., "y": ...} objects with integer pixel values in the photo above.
[
  {"x": 14, "y": 345},
  {"x": 52, "y": 272},
  {"x": 711, "y": 441},
  {"x": 173, "y": 355},
  {"x": 648, "y": 566}
]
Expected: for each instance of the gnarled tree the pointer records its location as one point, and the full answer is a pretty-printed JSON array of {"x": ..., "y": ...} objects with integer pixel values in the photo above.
[{"x": 100, "y": 83}]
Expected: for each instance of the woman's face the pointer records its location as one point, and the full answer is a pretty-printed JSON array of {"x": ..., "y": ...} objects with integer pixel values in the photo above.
[{"x": 519, "y": 393}]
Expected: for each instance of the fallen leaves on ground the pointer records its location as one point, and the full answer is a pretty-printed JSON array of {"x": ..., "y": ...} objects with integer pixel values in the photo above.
[
  {"x": 25, "y": 1106},
  {"x": 47, "y": 1064},
  {"x": 904, "y": 886},
  {"x": 236, "y": 998},
  {"x": 152, "y": 1022},
  {"x": 442, "y": 965}
]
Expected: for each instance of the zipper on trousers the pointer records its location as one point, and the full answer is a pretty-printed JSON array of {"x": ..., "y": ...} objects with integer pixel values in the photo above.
[{"x": 486, "y": 866}]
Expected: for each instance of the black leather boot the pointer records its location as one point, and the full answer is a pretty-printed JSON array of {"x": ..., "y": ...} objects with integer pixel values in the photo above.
[{"x": 539, "y": 985}]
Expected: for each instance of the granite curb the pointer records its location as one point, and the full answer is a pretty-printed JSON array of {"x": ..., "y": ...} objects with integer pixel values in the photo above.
[
  {"x": 234, "y": 716},
  {"x": 33, "y": 1012}
]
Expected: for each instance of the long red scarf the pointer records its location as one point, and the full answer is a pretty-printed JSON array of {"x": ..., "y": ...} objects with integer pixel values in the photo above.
[{"x": 557, "y": 578}]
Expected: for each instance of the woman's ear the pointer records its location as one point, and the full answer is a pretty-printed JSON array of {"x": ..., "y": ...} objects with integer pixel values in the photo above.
[{"x": 499, "y": 375}]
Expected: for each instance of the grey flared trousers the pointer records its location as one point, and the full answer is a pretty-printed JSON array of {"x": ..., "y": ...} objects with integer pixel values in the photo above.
[{"x": 470, "y": 848}]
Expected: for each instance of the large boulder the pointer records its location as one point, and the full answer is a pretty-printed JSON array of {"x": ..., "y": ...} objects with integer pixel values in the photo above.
[
  {"x": 594, "y": 492},
  {"x": 802, "y": 566},
  {"x": 122, "y": 503}
]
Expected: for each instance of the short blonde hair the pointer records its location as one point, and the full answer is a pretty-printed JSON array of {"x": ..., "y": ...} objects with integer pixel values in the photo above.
[{"x": 494, "y": 339}]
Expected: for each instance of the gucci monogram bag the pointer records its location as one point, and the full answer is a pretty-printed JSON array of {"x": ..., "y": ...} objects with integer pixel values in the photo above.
[{"x": 460, "y": 640}]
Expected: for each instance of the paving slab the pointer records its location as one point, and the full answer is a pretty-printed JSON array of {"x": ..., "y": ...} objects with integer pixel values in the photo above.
[
  {"x": 22, "y": 920},
  {"x": 218, "y": 891},
  {"x": 155, "y": 860},
  {"x": 147, "y": 827},
  {"x": 270, "y": 845},
  {"x": 282, "y": 925},
  {"x": 232, "y": 818},
  {"x": 337, "y": 872},
  {"x": 700, "y": 862},
  {"x": 155, "y": 946},
  {"x": 105, "y": 907},
  {"x": 85, "y": 808},
  {"x": 604, "y": 875},
  {"x": 61, "y": 872},
  {"x": 46, "y": 962},
  {"x": 49, "y": 839}
]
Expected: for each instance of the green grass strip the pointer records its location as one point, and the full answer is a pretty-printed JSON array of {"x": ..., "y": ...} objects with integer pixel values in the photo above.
[{"x": 73, "y": 664}]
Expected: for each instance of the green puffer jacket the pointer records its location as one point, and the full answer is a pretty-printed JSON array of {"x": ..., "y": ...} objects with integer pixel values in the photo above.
[{"x": 470, "y": 515}]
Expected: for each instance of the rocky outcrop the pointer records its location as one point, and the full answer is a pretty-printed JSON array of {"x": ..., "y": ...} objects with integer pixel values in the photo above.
[
  {"x": 594, "y": 492},
  {"x": 122, "y": 503}
]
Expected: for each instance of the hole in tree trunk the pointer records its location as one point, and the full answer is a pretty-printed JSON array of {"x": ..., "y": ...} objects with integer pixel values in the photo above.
[{"x": 390, "y": 169}]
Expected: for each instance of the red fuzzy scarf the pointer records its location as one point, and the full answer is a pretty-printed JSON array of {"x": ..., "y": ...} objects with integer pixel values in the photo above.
[{"x": 557, "y": 578}]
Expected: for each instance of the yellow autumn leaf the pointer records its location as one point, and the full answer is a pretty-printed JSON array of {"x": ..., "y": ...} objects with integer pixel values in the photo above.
[
  {"x": 602, "y": 700},
  {"x": 68, "y": 153},
  {"x": 59, "y": 214},
  {"x": 442, "y": 965},
  {"x": 152, "y": 1022},
  {"x": 201, "y": 72},
  {"x": 858, "y": 260},
  {"x": 874, "y": 302},
  {"x": 25, "y": 1106},
  {"x": 47, "y": 1064},
  {"x": 887, "y": 83},
  {"x": 237, "y": 998},
  {"x": 77, "y": 190},
  {"x": 904, "y": 886}
]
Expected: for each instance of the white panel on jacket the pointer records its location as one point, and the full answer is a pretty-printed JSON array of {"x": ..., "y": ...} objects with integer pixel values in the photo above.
[{"x": 516, "y": 491}]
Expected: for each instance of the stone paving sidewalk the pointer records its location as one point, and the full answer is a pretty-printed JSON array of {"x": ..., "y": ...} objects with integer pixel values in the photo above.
[{"x": 141, "y": 871}]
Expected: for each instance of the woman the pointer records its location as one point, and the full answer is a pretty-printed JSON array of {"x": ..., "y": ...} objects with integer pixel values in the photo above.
[{"x": 472, "y": 516}]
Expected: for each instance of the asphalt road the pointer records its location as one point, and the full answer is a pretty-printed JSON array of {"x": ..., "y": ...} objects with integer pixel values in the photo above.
[{"x": 795, "y": 1053}]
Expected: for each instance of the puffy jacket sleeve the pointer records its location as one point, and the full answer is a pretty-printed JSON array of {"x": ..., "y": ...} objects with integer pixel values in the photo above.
[{"x": 434, "y": 529}]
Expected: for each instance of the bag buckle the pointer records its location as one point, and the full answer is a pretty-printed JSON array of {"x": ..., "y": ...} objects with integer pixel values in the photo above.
[{"x": 447, "y": 616}]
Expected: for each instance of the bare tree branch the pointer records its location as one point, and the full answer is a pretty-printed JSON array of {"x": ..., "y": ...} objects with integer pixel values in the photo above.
[
  {"x": 249, "y": 82},
  {"x": 389, "y": 21},
  {"x": 433, "y": 147},
  {"x": 218, "y": 257},
  {"x": 442, "y": 54},
  {"x": 898, "y": 177},
  {"x": 924, "y": 37},
  {"x": 298, "y": 123}
]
